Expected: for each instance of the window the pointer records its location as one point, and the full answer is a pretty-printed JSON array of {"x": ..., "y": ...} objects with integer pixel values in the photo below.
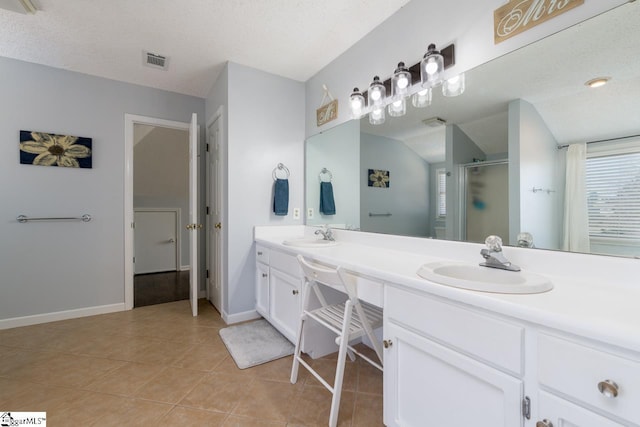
[
  {"x": 441, "y": 183},
  {"x": 613, "y": 195}
]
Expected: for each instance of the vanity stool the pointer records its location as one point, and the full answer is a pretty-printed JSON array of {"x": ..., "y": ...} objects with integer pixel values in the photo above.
[{"x": 349, "y": 320}]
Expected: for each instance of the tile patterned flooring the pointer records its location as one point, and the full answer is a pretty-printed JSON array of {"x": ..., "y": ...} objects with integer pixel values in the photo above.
[{"x": 157, "y": 365}]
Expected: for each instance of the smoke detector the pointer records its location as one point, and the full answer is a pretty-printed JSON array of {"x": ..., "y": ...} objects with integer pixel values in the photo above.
[
  {"x": 434, "y": 122},
  {"x": 155, "y": 60}
]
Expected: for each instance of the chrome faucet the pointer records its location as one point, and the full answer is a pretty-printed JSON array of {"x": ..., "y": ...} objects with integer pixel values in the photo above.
[
  {"x": 327, "y": 233},
  {"x": 494, "y": 257}
]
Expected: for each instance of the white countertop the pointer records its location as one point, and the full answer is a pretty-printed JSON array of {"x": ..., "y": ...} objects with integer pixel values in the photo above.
[{"x": 586, "y": 306}]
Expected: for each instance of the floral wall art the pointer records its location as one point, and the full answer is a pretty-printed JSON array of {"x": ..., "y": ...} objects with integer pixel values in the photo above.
[
  {"x": 47, "y": 149},
  {"x": 378, "y": 178}
]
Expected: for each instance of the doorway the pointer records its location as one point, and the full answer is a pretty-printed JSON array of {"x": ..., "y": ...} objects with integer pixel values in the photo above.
[
  {"x": 161, "y": 177},
  {"x": 486, "y": 201}
]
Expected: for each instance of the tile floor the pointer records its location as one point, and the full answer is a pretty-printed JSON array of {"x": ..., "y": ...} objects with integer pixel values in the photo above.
[{"x": 157, "y": 365}]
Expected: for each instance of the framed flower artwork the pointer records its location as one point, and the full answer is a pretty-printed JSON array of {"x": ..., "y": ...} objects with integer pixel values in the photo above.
[
  {"x": 48, "y": 149},
  {"x": 378, "y": 178}
]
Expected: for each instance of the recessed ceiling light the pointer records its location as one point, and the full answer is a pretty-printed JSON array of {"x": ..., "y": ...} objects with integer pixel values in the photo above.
[{"x": 597, "y": 82}]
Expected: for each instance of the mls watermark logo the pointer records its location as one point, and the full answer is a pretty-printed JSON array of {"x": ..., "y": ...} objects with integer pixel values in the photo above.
[{"x": 10, "y": 419}]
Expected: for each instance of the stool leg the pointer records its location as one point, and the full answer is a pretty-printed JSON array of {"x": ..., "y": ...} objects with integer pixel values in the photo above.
[
  {"x": 296, "y": 353},
  {"x": 342, "y": 359}
]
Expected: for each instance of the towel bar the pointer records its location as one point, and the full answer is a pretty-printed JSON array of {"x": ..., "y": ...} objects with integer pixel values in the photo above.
[
  {"x": 280, "y": 167},
  {"x": 83, "y": 218},
  {"x": 325, "y": 171},
  {"x": 379, "y": 214}
]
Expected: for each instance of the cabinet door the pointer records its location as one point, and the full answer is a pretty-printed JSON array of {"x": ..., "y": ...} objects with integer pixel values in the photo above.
[
  {"x": 284, "y": 302},
  {"x": 426, "y": 384},
  {"x": 565, "y": 414},
  {"x": 262, "y": 289}
]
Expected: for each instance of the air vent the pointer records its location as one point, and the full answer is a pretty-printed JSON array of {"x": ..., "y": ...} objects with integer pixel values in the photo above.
[
  {"x": 434, "y": 122},
  {"x": 154, "y": 60}
]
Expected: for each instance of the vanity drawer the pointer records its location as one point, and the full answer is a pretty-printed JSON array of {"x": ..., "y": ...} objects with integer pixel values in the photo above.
[
  {"x": 577, "y": 371},
  {"x": 494, "y": 341},
  {"x": 285, "y": 263},
  {"x": 262, "y": 254}
]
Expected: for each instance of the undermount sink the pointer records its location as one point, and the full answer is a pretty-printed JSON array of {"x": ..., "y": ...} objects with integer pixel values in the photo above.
[
  {"x": 310, "y": 242},
  {"x": 485, "y": 279}
]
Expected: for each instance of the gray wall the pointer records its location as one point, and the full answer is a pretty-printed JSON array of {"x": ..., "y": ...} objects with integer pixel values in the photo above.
[
  {"x": 56, "y": 266},
  {"x": 338, "y": 150},
  {"x": 533, "y": 156},
  {"x": 407, "y": 197},
  {"x": 265, "y": 126}
]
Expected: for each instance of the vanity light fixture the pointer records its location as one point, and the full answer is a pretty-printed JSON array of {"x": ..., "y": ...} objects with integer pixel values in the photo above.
[
  {"x": 416, "y": 81},
  {"x": 453, "y": 86},
  {"x": 597, "y": 82},
  {"x": 431, "y": 67},
  {"x": 422, "y": 98},
  {"x": 398, "y": 107},
  {"x": 401, "y": 81},
  {"x": 357, "y": 103},
  {"x": 377, "y": 93},
  {"x": 376, "y": 116}
]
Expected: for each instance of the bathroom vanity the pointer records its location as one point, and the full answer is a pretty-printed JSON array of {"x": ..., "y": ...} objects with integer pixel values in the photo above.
[{"x": 456, "y": 357}]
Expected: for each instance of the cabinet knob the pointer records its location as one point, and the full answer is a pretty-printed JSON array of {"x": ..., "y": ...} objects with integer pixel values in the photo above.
[
  {"x": 544, "y": 423},
  {"x": 295, "y": 292},
  {"x": 264, "y": 274},
  {"x": 387, "y": 343},
  {"x": 608, "y": 388},
  {"x": 259, "y": 253}
]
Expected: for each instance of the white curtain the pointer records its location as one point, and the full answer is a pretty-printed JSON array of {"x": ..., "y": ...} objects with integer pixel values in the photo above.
[{"x": 576, "y": 218}]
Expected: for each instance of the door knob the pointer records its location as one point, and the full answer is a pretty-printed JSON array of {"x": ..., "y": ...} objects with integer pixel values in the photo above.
[
  {"x": 172, "y": 240},
  {"x": 608, "y": 388},
  {"x": 295, "y": 292},
  {"x": 218, "y": 225},
  {"x": 544, "y": 423}
]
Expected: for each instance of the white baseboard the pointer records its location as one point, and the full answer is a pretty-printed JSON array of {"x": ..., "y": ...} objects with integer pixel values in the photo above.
[
  {"x": 60, "y": 315},
  {"x": 240, "y": 317},
  {"x": 185, "y": 267}
]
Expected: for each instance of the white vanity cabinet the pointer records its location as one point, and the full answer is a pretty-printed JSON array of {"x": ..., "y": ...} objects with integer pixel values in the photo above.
[
  {"x": 594, "y": 379},
  {"x": 449, "y": 366},
  {"x": 278, "y": 290}
]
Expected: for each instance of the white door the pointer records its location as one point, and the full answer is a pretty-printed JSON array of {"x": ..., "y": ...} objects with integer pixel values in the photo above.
[
  {"x": 426, "y": 384},
  {"x": 193, "y": 226},
  {"x": 214, "y": 219},
  {"x": 155, "y": 241}
]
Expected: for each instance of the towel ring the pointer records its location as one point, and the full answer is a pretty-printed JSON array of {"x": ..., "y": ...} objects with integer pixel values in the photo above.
[
  {"x": 278, "y": 168},
  {"x": 325, "y": 171}
]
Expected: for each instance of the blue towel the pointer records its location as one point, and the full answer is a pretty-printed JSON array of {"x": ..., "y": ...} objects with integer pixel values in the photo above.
[
  {"x": 327, "y": 204},
  {"x": 281, "y": 197}
]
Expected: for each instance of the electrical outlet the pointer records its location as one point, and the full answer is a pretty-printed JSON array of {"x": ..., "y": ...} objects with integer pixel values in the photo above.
[
  {"x": 296, "y": 213},
  {"x": 310, "y": 213}
]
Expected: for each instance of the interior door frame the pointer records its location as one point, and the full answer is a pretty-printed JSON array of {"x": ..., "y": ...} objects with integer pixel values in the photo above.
[
  {"x": 130, "y": 120},
  {"x": 218, "y": 116}
]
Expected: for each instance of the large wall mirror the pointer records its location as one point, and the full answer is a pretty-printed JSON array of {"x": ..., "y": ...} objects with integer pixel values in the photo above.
[{"x": 495, "y": 159}]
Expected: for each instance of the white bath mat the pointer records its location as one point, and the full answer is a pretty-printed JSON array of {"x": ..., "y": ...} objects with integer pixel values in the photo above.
[{"x": 254, "y": 343}]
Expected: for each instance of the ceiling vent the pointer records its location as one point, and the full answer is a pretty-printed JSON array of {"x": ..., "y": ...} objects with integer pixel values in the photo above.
[
  {"x": 434, "y": 122},
  {"x": 154, "y": 60}
]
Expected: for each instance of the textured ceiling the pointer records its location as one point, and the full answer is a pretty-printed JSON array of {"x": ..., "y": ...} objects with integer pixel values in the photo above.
[{"x": 291, "y": 38}]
